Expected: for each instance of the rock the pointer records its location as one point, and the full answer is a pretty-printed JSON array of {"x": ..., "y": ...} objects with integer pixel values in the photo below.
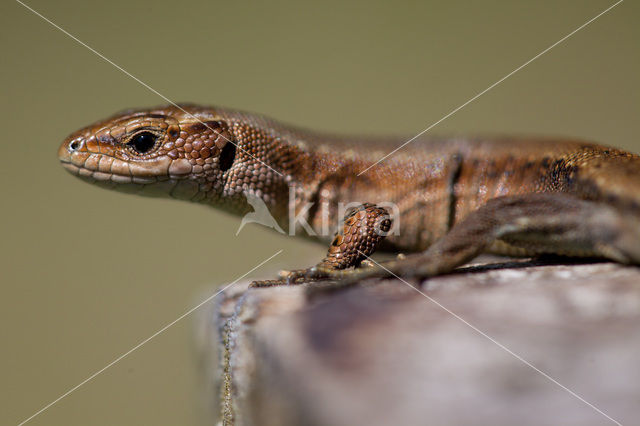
[{"x": 521, "y": 342}]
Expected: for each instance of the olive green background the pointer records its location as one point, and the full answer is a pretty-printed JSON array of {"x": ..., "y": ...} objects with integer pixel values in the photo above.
[{"x": 87, "y": 274}]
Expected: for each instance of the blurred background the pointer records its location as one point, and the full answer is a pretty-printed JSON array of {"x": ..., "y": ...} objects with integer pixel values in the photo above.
[{"x": 87, "y": 274}]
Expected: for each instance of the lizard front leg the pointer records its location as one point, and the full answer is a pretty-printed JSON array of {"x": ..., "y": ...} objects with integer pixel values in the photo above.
[{"x": 362, "y": 230}]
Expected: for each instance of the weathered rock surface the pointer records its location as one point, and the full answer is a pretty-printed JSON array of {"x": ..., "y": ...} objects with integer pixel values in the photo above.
[{"x": 503, "y": 344}]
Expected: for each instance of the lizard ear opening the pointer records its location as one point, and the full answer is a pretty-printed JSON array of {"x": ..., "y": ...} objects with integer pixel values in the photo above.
[{"x": 227, "y": 156}]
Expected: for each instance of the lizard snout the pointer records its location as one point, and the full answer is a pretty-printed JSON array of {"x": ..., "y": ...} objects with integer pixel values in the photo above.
[{"x": 69, "y": 152}]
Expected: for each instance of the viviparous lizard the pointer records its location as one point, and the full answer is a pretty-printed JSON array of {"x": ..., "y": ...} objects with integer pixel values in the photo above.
[{"x": 448, "y": 198}]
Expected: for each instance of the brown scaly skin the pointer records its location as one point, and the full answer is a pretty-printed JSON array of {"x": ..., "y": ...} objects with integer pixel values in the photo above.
[{"x": 466, "y": 195}]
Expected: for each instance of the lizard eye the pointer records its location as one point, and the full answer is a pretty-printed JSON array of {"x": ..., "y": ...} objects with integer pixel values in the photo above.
[{"x": 143, "y": 142}]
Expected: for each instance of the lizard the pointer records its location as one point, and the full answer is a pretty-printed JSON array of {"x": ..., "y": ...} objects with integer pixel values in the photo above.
[{"x": 451, "y": 198}]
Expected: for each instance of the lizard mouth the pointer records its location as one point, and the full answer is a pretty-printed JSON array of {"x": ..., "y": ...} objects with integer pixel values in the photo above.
[
  {"x": 154, "y": 187},
  {"x": 98, "y": 174},
  {"x": 103, "y": 167},
  {"x": 104, "y": 180},
  {"x": 159, "y": 177}
]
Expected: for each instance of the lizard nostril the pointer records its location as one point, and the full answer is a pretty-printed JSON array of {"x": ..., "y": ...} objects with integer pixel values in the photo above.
[{"x": 74, "y": 145}]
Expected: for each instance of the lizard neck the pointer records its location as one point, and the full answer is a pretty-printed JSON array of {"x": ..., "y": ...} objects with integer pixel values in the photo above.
[{"x": 271, "y": 174}]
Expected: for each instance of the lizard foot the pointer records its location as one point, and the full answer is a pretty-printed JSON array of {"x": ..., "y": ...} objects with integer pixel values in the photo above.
[{"x": 362, "y": 231}]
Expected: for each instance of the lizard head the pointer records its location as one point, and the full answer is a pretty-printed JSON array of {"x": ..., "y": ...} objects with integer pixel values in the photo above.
[{"x": 177, "y": 151}]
